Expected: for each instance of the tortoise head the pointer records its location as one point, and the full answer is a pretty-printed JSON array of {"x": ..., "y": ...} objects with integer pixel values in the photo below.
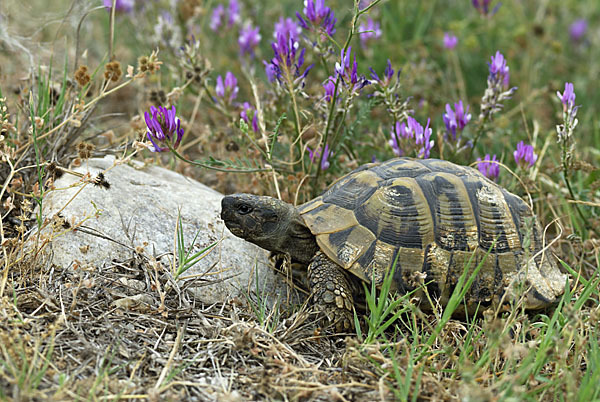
[{"x": 269, "y": 223}]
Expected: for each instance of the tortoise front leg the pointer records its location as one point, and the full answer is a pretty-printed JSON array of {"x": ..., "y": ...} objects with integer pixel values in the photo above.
[{"x": 331, "y": 291}]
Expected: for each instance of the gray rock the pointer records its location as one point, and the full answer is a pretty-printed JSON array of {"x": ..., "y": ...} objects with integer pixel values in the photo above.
[{"x": 140, "y": 211}]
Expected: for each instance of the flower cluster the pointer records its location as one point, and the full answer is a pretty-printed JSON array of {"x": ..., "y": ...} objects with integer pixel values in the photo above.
[
  {"x": 483, "y": 6},
  {"x": 577, "y": 30},
  {"x": 286, "y": 58},
  {"x": 347, "y": 70},
  {"x": 403, "y": 133},
  {"x": 318, "y": 16},
  {"x": 216, "y": 17},
  {"x": 489, "y": 166},
  {"x": 120, "y": 5},
  {"x": 499, "y": 71},
  {"x": 329, "y": 86},
  {"x": 387, "y": 91},
  {"x": 567, "y": 97},
  {"x": 388, "y": 74},
  {"x": 315, "y": 155},
  {"x": 227, "y": 90},
  {"x": 288, "y": 28},
  {"x": 450, "y": 41},
  {"x": 524, "y": 155},
  {"x": 497, "y": 89},
  {"x": 164, "y": 128},
  {"x": 456, "y": 120},
  {"x": 370, "y": 30},
  {"x": 247, "y": 109},
  {"x": 233, "y": 15},
  {"x": 166, "y": 31},
  {"x": 565, "y": 130},
  {"x": 248, "y": 39}
]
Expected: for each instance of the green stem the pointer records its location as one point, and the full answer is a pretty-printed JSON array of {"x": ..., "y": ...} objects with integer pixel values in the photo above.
[
  {"x": 357, "y": 13},
  {"x": 38, "y": 162},
  {"x": 207, "y": 166},
  {"x": 290, "y": 85},
  {"x": 568, "y": 183},
  {"x": 327, "y": 125},
  {"x": 211, "y": 104},
  {"x": 480, "y": 128}
]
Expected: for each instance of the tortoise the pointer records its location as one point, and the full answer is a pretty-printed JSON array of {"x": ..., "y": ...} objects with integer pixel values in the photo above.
[{"x": 422, "y": 217}]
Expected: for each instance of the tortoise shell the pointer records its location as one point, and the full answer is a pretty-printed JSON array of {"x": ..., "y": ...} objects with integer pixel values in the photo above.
[{"x": 433, "y": 216}]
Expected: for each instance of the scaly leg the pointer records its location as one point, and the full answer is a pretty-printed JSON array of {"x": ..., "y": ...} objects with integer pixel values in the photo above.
[{"x": 331, "y": 292}]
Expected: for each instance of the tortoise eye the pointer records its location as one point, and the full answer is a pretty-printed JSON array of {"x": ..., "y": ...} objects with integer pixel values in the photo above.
[{"x": 244, "y": 209}]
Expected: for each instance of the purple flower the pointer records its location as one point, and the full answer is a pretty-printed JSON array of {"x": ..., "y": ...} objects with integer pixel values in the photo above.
[
  {"x": 316, "y": 155},
  {"x": 456, "y": 119},
  {"x": 233, "y": 12},
  {"x": 216, "y": 16},
  {"x": 399, "y": 131},
  {"x": 364, "y": 4},
  {"x": 288, "y": 28},
  {"x": 483, "y": 6},
  {"x": 163, "y": 128},
  {"x": 229, "y": 89},
  {"x": 498, "y": 68},
  {"x": 286, "y": 58},
  {"x": 524, "y": 155},
  {"x": 318, "y": 15},
  {"x": 271, "y": 71},
  {"x": 344, "y": 69},
  {"x": 248, "y": 39},
  {"x": 489, "y": 167},
  {"x": 578, "y": 29},
  {"x": 567, "y": 97},
  {"x": 347, "y": 70},
  {"x": 166, "y": 31},
  {"x": 370, "y": 30},
  {"x": 329, "y": 86},
  {"x": 120, "y": 5},
  {"x": 246, "y": 109},
  {"x": 422, "y": 137},
  {"x": 450, "y": 41},
  {"x": 411, "y": 130},
  {"x": 387, "y": 74},
  {"x": 497, "y": 87}
]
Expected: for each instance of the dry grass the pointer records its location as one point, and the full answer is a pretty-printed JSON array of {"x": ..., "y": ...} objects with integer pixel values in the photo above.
[{"x": 128, "y": 331}]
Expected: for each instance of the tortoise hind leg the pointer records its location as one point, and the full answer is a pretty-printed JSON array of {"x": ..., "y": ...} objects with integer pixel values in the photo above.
[{"x": 331, "y": 291}]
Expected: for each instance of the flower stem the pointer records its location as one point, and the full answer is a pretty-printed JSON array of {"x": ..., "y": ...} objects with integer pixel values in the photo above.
[
  {"x": 565, "y": 171},
  {"x": 327, "y": 126}
]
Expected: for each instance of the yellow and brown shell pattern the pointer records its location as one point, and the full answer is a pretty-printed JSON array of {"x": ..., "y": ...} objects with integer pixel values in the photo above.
[{"x": 434, "y": 216}]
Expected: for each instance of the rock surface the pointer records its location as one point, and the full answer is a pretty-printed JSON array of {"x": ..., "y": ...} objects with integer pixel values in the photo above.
[{"x": 140, "y": 210}]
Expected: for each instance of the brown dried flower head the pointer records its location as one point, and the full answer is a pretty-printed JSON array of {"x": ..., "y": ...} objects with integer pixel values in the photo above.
[
  {"x": 143, "y": 64},
  {"x": 149, "y": 64},
  {"x": 112, "y": 71},
  {"x": 158, "y": 97},
  {"x": 189, "y": 8},
  {"x": 81, "y": 76},
  {"x": 85, "y": 149}
]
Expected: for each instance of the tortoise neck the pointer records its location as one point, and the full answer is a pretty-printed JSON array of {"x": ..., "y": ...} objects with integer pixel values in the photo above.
[{"x": 298, "y": 240}]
